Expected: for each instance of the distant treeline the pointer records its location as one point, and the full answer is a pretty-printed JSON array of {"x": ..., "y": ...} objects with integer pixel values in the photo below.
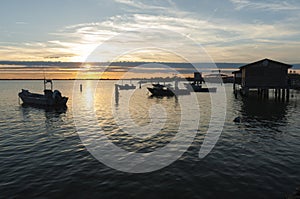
[
  {"x": 79, "y": 64},
  {"x": 213, "y": 66}
]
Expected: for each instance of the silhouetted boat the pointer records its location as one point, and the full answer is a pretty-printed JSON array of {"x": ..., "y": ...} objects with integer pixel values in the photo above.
[
  {"x": 160, "y": 90},
  {"x": 126, "y": 87},
  {"x": 199, "y": 88},
  {"x": 49, "y": 98}
]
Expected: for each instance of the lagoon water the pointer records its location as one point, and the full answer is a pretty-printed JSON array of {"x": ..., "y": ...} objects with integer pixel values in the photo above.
[{"x": 42, "y": 155}]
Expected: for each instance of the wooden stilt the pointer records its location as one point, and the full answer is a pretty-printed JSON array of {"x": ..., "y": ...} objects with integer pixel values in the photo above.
[
  {"x": 246, "y": 91},
  {"x": 283, "y": 94}
]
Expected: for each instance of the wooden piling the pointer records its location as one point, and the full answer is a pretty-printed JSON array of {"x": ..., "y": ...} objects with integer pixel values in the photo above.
[
  {"x": 287, "y": 94},
  {"x": 283, "y": 94}
]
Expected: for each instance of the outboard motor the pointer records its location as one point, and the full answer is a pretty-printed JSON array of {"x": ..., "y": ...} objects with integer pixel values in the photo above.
[{"x": 56, "y": 96}]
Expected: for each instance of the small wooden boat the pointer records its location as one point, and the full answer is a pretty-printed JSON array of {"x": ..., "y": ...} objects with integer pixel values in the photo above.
[{"x": 49, "y": 98}]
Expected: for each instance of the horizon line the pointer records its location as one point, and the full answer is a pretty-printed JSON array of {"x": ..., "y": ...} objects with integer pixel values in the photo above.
[{"x": 2, "y": 62}]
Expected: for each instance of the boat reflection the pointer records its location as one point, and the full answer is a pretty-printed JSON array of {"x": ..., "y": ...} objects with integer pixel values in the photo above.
[
  {"x": 57, "y": 110},
  {"x": 50, "y": 120}
]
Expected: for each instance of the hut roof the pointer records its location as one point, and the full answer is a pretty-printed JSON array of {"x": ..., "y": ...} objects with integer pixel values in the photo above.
[
  {"x": 268, "y": 60},
  {"x": 238, "y": 71}
]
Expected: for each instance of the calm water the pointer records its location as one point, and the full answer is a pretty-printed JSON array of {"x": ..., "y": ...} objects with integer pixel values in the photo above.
[{"x": 42, "y": 155}]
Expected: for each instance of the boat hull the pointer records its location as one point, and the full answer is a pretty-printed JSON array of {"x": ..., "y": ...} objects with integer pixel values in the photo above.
[
  {"x": 205, "y": 90},
  {"x": 126, "y": 87},
  {"x": 199, "y": 88},
  {"x": 41, "y": 100},
  {"x": 160, "y": 92}
]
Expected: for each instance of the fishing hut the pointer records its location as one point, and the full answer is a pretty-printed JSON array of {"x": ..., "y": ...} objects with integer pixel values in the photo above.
[{"x": 263, "y": 75}]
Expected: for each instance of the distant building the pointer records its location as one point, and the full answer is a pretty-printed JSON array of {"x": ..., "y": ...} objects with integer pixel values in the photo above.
[{"x": 262, "y": 75}]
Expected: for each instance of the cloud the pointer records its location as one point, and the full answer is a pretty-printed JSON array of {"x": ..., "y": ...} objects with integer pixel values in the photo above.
[
  {"x": 215, "y": 32},
  {"x": 144, "y": 5},
  {"x": 223, "y": 38},
  {"x": 265, "y": 5},
  {"x": 35, "y": 51},
  {"x": 21, "y": 23}
]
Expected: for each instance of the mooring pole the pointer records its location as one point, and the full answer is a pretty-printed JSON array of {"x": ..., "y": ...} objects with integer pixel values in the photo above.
[{"x": 283, "y": 94}]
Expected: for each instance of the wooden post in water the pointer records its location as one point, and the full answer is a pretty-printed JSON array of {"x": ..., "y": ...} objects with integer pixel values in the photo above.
[
  {"x": 234, "y": 90},
  {"x": 176, "y": 85},
  {"x": 117, "y": 93},
  {"x": 283, "y": 94},
  {"x": 245, "y": 91},
  {"x": 264, "y": 93}
]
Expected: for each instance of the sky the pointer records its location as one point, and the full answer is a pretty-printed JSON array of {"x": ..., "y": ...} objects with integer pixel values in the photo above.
[
  {"x": 226, "y": 31},
  {"x": 239, "y": 31}
]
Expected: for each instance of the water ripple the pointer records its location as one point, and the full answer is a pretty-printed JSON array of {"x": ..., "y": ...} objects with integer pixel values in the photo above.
[{"x": 42, "y": 155}]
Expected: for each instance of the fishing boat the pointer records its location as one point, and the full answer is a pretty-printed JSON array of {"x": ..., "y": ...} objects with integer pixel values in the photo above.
[
  {"x": 50, "y": 98},
  {"x": 126, "y": 87},
  {"x": 160, "y": 90},
  {"x": 198, "y": 88}
]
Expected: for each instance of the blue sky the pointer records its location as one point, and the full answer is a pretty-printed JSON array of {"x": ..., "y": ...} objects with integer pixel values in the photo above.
[{"x": 150, "y": 30}]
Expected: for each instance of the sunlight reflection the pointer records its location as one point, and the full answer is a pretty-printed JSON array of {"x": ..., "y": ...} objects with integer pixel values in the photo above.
[
  {"x": 89, "y": 93},
  {"x": 87, "y": 66}
]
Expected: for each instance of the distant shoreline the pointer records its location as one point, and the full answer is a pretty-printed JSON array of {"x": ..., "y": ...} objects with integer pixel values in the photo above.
[
  {"x": 46, "y": 63},
  {"x": 62, "y": 79},
  {"x": 13, "y": 70}
]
